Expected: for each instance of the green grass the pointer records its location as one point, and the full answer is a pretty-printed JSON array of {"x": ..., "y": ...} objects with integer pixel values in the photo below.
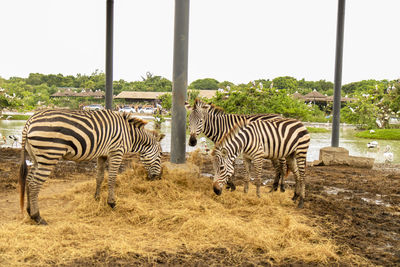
[
  {"x": 385, "y": 134},
  {"x": 18, "y": 117},
  {"x": 317, "y": 130}
]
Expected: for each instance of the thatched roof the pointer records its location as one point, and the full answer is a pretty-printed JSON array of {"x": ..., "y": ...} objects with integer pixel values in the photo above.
[
  {"x": 315, "y": 95},
  {"x": 298, "y": 96},
  {"x": 343, "y": 99}
]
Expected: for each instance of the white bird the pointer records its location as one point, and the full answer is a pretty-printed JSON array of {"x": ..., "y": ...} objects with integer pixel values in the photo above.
[
  {"x": 14, "y": 139},
  {"x": 388, "y": 154},
  {"x": 372, "y": 144},
  {"x": 8, "y": 117},
  {"x": 371, "y": 131}
]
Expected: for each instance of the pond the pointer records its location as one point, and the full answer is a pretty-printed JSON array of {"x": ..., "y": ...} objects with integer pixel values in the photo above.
[{"x": 356, "y": 146}]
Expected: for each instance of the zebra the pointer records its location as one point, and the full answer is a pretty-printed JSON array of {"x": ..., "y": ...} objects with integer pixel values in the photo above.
[
  {"x": 215, "y": 123},
  {"x": 272, "y": 139},
  {"x": 51, "y": 135}
]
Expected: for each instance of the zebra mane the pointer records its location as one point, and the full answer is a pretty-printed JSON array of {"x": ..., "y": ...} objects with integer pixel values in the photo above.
[
  {"x": 231, "y": 132},
  {"x": 216, "y": 110},
  {"x": 138, "y": 123},
  {"x": 213, "y": 108}
]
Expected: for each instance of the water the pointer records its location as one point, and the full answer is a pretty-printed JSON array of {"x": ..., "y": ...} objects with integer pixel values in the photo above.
[{"x": 356, "y": 146}]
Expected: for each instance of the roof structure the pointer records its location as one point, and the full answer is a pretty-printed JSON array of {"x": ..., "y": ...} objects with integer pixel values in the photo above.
[
  {"x": 314, "y": 95},
  {"x": 318, "y": 97},
  {"x": 139, "y": 95}
]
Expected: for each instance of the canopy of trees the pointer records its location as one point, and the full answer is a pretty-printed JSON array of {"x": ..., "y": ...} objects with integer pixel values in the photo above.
[{"x": 375, "y": 99}]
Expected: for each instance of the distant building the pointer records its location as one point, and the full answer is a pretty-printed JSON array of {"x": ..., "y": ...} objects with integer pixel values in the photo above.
[{"x": 319, "y": 99}]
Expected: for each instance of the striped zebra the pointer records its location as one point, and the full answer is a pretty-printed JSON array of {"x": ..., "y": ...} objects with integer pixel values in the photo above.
[
  {"x": 52, "y": 135},
  {"x": 215, "y": 123},
  {"x": 272, "y": 139}
]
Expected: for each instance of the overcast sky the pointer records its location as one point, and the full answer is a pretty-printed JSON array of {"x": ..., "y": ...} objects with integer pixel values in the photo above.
[{"x": 233, "y": 40}]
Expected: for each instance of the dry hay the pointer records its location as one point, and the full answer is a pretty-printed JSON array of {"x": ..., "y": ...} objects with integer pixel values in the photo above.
[{"x": 171, "y": 215}]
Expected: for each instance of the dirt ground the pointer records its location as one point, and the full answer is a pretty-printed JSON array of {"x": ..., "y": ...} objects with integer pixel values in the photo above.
[{"x": 358, "y": 208}]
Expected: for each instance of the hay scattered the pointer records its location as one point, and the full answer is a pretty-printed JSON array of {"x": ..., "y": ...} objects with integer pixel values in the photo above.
[{"x": 175, "y": 214}]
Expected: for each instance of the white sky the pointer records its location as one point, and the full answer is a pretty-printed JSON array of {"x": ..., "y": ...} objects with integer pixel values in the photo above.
[{"x": 234, "y": 40}]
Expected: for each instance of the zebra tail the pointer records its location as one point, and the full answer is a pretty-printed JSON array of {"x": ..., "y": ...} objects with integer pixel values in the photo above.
[{"x": 23, "y": 171}]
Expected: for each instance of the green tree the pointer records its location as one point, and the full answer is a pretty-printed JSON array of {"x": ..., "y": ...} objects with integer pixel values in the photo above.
[
  {"x": 166, "y": 101},
  {"x": 287, "y": 82},
  {"x": 250, "y": 100},
  {"x": 204, "y": 84}
]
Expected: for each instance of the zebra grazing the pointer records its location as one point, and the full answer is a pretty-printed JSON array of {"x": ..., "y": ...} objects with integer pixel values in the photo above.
[
  {"x": 52, "y": 135},
  {"x": 215, "y": 123},
  {"x": 272, "y": 139}
]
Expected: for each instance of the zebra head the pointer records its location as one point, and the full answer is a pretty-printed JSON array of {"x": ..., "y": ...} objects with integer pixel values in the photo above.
[
  {"x": 223, "y": 167},
  {"x": 196, "y": 120},
  {"x": 147, "y": 143},
  {"x": 150, "y": 155}
]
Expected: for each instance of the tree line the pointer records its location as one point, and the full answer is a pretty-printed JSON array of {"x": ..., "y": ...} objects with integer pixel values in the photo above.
[{"x": 374, "y": 98}]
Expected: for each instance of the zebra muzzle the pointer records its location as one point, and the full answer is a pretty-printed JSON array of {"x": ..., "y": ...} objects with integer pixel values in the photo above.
[
  {"x": 192, "y": 140},
  {"x": 153, "y": 177},
  {"x": 217, "y": 189}
]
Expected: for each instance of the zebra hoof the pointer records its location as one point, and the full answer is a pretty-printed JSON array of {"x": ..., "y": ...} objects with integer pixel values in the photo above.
[
  {"x": 295, "y": 196},
  {"x": 28, "y": 210},
  {"x": 283, "y": 189},
  {"x": 231, "y": 186},
  {"x": 39, "y": 220},
  {"x": 96, "y": 197},
  {"x": 273, "y": 189},
  {"x": 111, "y": 204},
  {"x": 301, "y": 204}
]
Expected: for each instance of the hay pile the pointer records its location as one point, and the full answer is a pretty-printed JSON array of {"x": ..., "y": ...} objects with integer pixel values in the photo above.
[{"x": 172, "y": 215}]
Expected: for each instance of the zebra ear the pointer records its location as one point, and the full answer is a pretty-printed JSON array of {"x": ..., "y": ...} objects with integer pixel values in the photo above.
[
  {"x": 188, "y": 106},
  {"x": 160, "y": 137}
]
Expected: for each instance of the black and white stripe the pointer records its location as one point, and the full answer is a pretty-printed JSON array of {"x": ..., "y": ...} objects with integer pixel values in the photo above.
[
  {"x": 52, "y": 135},
  {"x": 273, "y": 139},
  {"x": 215, "y": 123}
]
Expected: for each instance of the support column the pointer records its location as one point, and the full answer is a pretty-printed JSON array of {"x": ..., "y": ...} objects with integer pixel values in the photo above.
[
  {"x": 179, "y": 82},
  {"x": 109, "y": 53},
  {"x": 338, "y": 74}
]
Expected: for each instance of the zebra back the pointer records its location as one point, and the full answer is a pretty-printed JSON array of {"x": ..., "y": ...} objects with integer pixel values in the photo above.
[
  {"x": 276, "y": 138},
  {"x": 216, "y": 123},
  {"x": 85, "y": 135}
]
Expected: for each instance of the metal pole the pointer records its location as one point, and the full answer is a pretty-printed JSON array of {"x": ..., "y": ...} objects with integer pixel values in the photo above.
[
  {"x": 179, "y": 81},
  {"x": 338, "y": 73},
  {"x": 109, "y": 53}
]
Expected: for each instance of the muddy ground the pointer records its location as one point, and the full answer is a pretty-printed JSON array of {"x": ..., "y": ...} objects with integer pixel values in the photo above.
[{"x": 358, "y": 208}]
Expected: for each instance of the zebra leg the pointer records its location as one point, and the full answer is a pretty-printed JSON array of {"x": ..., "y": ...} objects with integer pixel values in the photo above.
[
  {"x": 301, "y": 163},
  {"x": 113, "y": 167},
  {"x": 101, "y": 163},
  {"x": 293, "y": 167},
  {"x": 247, "y": 166},
  {"x": 275, "y": 164},
  {"x": 284, "y": 172},
  {"x": 34, "y": 185},
  {"x": 230, "y": 184},
  {"x": 28, "y": 198},
  {"x": 258, "y": 163}
]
